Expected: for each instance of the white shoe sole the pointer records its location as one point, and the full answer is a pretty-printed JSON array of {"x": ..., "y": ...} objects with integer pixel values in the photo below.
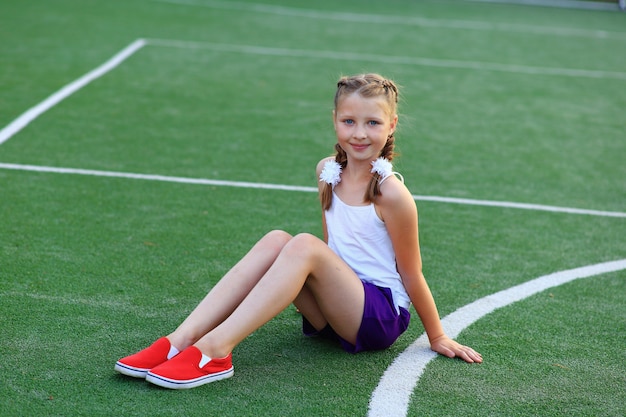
[
  {"x": 130, "y": 370},
  {"x": 189, "y": 383}
]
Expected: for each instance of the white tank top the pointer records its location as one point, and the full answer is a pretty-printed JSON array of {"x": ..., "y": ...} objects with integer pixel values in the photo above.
[{"x": 360, "y": 238}]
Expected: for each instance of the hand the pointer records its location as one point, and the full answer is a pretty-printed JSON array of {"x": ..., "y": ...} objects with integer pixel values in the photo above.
[{"x": 448, "y": 347}]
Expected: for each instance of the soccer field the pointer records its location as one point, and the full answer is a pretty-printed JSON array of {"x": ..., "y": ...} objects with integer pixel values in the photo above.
[{"x": 145, "y": 145}]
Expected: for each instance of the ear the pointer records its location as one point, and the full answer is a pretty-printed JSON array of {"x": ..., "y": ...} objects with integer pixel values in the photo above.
[{"x": 393, "y": 124}]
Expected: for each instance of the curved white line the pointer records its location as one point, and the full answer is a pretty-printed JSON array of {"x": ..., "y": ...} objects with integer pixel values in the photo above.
[{"x": 392, "y": 396}]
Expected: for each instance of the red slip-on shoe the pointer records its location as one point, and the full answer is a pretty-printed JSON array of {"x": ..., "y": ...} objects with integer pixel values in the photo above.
[
  {"x": 191, "y": 369},
  {"x": 140, "y": 363}
]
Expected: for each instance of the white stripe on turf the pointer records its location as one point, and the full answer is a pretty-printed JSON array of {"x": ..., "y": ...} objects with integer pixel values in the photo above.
[
  {"x": 27, "y": 117},
  {"x": 31, "y": 114},
  {"x": 284, "y": 187},
  {"x": 389, "y": 19},
  {"x": 392, "y": 396},
  {"x": 390, "y": 59}
]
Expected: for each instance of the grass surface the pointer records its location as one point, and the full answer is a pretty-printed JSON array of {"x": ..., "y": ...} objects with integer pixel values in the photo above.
[{"x": 93, "y": 268}]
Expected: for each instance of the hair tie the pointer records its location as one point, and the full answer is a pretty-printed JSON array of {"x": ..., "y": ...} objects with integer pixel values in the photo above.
[
  {"x": 331, "y": 173},
  {"x": 384, "y": 169}
]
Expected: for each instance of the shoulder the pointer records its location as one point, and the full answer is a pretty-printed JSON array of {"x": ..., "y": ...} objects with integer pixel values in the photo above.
[
  {"x": 395, "y": 200},
  {"x": 393, "y": 191},
  {"x": 321, "y": 184},
  {"x": 320, "y": 164}
]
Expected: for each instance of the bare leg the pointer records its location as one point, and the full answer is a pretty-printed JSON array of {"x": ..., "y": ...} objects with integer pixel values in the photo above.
[
  {"x": 305, "y": 261},
  {"x": 306, "y": 303},
  {"x": 228, "y": 293}
]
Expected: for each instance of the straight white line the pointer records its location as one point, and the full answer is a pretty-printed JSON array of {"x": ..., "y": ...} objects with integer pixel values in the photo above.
[
  {"x": 150, "y": 177},
  {"x": 392, "y": 396},
  {"x": 31, "y": 114},
  {"x": 523, "y": 206},
  {"x": 564, "y": 4},
  {"x": 399, "y": 20},
  {"x": 22, "y": 121},
  {"x": 283, "y": 187},
  {"x": 389, "y": 59}
]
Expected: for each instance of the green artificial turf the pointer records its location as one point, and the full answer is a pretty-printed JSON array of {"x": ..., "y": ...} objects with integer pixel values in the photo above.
[
  {"x": 559, "y": 353},
  {"x": 94, "y": 268}
]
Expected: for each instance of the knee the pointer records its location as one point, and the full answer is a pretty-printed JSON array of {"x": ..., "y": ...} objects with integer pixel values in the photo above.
[
  {"x": 302, "y": 244},
  {"x": 277, "y": 239}
]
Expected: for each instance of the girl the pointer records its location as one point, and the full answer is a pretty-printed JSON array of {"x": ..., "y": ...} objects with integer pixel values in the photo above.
[{"x": 356, "y": 285}]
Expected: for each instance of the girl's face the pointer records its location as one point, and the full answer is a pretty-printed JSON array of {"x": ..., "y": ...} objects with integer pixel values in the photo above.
[{"x": 362, "y": 126}]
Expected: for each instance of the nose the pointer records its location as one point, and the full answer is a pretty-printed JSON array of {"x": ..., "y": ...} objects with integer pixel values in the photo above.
[{"x": 360, "y": 132}]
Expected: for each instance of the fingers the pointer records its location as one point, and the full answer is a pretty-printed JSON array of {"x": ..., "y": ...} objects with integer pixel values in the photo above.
[
  {"x": 451, "y": 349},
  {"x": 477, "y": 357},
  {"x": 447, "y": 352},
  {"x": 470, "y": 355}
]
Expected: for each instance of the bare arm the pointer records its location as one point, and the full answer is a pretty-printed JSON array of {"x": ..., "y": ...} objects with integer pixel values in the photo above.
[{"x": 399, "y": 213}]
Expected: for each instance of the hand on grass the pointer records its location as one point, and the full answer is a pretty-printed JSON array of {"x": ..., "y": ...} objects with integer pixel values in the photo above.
[{"x": 450, "y": 348}]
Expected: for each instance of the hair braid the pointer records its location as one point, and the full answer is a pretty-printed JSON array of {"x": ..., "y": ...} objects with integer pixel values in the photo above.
[
  {"x": 373, "y": 190},
  {"x": 326, "y": 196},
  {"x": 367, "y": 85}
]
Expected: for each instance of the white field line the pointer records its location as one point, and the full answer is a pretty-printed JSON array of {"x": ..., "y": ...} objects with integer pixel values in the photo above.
[
  {"x": 384, "y": 19},
  {"x": 524, "y": 206},
  {"x": 564, "y": 4},
  {"x": 283, "y": 187},
  {"x": 22, "y": 121},
  {"x": 31, "y": 114},
  {"x": 162, "y": 178},
  {"x": 34, "y": 112},
  {"x": 390, "y": 59},
  {"x": 392, "y": 396}
]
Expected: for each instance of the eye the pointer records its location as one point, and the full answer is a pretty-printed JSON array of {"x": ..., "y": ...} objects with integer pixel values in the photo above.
[
  {"x": 349, "y": 121},
  {"x": 373, "y": 123}
]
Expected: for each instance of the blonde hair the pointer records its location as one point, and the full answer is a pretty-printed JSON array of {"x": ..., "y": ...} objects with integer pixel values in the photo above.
[{"x": 367, "y": 86}]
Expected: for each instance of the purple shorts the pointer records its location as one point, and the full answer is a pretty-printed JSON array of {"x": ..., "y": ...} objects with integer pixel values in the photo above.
[{"x": 380, "y": 327}]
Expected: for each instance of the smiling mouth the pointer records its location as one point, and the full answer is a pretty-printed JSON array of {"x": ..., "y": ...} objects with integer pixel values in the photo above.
[{"x": 359, "y": 147}]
